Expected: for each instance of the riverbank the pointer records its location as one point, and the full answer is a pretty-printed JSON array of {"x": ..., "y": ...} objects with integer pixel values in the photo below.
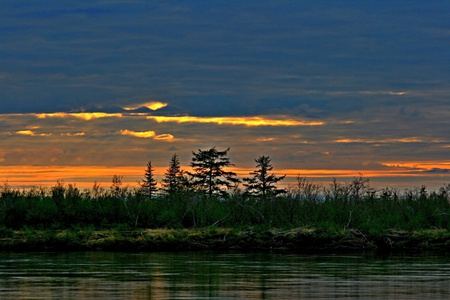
[{"x": 223, "y": 239}]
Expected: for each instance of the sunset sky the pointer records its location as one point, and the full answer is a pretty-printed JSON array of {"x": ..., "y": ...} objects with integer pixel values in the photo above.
[{"x": 90, "y": 89}]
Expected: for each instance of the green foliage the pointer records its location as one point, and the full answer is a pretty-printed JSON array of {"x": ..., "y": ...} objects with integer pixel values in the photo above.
[
  {"x": 6, "y": 232},
  {"x": 304, "y": 205}
]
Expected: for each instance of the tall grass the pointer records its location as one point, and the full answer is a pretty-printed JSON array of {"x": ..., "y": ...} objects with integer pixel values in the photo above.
[{"x": 340, "y": 206}]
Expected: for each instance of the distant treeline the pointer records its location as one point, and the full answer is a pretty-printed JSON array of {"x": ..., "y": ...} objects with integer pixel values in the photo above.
[
  {"x": 338, "y": 206},
  {"x": 210, "y": 196}
]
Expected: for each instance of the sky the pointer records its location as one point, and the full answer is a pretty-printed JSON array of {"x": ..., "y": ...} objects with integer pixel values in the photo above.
[{"x": 92, "y": 89}]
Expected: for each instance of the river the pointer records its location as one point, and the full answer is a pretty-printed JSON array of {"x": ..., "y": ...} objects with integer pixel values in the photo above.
[{"x": 208, "y": 275}]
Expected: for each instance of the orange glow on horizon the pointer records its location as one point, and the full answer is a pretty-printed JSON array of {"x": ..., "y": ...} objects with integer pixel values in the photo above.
[
  {"x": 85, "y": 176},
  {"x": 82, "y": 176},
  {"x": 423, "y": 165},
  {"x": 329, "y": 173}
]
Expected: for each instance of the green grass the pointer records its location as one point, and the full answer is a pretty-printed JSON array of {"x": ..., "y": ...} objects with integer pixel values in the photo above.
[{"x": 371, "y": 213}]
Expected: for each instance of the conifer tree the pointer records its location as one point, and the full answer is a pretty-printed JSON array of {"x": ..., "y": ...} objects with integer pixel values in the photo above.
[
  {"x": 263, "y": 182},
  {"x": 149, "y": 183},
  {"x": 209, "y": 174},
  {"x": 174, "y": 179}
]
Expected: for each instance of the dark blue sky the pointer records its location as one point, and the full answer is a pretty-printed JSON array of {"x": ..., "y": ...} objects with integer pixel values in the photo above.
[
  {"x": 255, "y": 55},
  {"x": 383, "y": 66}
]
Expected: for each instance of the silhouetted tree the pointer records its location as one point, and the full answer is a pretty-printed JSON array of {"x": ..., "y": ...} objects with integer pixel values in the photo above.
[
  {"x": 209, "y": 174},
  {"x": 263, "y": 182},
  {"x": 337, "y": 190},
  {"x": 58, "y": 192},
  {"x": 174, "y": 179},
  {"x": 358, "y": 187},
  {"x": 116, "y": 185},
  {"x": 149, "y": 183},
  {"x": 97, "y": 191},
  {"x": 306, "y": 190}
]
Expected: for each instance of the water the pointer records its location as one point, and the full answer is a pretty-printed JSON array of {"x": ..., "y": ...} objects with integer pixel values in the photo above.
[{"x": 205, "y": 275}]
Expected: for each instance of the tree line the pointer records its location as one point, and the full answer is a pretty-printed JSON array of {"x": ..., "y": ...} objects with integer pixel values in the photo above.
[
  {"x": 210, "y": 195},
  {"x": 209, "y": 176}
]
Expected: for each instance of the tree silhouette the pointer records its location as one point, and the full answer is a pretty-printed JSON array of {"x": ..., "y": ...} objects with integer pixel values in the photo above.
[
  {"x": 174, "y": 179},
  {"x": 116, "y": 185},
  {"x": 209, "y": 174},
  {"x": 149, "y": 183},
  {"x": 263, "y": 183}
]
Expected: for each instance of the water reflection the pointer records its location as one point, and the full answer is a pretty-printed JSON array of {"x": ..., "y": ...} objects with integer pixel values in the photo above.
[{"x": 204, "y": 275}]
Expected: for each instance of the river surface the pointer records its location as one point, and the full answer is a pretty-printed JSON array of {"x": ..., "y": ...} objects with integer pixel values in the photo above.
[{"x": 206, "y": 275}]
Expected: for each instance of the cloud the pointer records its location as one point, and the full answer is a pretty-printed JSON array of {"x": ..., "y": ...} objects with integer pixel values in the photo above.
[
  {"x": 148, "y": 134},
  {"x": 74, "y": 134},
  {"x": 150, "y": 105},
  {"x": 247, "y": 121},
  {"x": 83, "y": 116},
  {"x": 32, "y": 133},
  {"x": 356, "y": 92},
  {"x": 381, "y": 141},
  {"x": 139, "y": 134},
  {"x": 25, "y": 132},
  {"x": 165, "y": 137},
  {"x": 438, "y": 170},
  {"x": 265, "y": 139},
  {"x": 438, "y": 167}
]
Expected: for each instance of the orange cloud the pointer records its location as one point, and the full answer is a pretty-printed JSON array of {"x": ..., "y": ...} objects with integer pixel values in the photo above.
[
  {"x": 139, "y": 134},
  {"x": 75, "y": 134},
  {"x": 420, "y": 165},
  {"x": 32, "y": 133},
  {"x": 83, "y": 116},
  {"x": 25, "y": 132},
  {"x": 402, "y": 140},
  {"x": 154, "y": 105},
  {"x": 165, "y": 137},
  {"x": 247, "y": 121},
  {"x": 263, "y": 139},
  {"x": 147, "y": 134}
]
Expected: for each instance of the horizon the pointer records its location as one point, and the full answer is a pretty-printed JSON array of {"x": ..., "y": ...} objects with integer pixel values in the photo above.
[{"x": 48, "y": 177}]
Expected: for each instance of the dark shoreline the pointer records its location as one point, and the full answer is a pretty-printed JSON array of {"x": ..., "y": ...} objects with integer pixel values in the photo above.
[{"x": 225, "y": 239}]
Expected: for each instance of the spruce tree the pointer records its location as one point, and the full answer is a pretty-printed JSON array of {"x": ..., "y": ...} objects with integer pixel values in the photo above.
[
  {"x": 149, "y": 183},
  {"x": 174, "y": 179},
  {"x": 262, "y": 184},
  {"x": 209, "y": 174}
]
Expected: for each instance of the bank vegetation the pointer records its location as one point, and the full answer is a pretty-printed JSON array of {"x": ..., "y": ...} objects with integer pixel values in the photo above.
[{"x": 209, "y": 209}]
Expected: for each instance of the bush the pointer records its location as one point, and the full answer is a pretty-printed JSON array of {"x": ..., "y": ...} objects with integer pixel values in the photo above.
[{"x": 65, "y": 208}]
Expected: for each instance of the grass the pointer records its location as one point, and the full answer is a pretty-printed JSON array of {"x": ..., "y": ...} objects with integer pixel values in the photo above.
[
  {"x": 192, "y": 220},
  {"x": 250, "y": 239}
]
